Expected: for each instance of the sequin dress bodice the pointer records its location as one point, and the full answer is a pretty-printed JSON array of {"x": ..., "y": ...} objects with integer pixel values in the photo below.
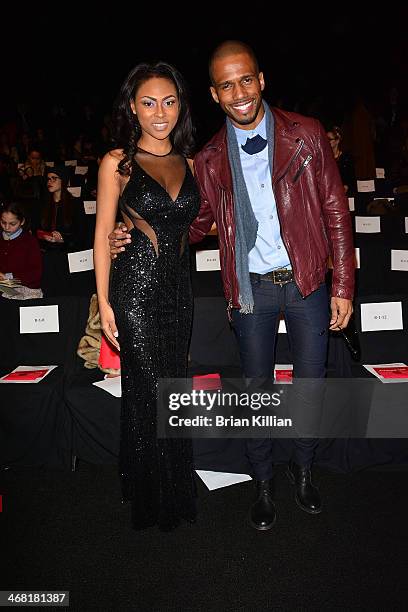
[{"x": 152, "y": 301}]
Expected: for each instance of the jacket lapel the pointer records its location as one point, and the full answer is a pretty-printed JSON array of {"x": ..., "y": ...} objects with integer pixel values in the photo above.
[
  {"x": 287, "y": 145},
  {"x": 218, "y": 162}
]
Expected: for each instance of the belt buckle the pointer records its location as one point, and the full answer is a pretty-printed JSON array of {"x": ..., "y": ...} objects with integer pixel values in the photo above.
[{"x": 279, "y": 282}]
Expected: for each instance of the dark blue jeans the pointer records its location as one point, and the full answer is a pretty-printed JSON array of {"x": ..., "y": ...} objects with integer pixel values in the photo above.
[{"x": 307, "y": 321}]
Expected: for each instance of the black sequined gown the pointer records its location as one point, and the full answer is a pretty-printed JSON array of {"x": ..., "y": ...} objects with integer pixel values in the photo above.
[{"x": 151, "y": 297}]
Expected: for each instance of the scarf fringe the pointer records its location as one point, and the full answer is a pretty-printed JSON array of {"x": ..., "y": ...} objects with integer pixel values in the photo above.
[{"x": 245, "y": 308}]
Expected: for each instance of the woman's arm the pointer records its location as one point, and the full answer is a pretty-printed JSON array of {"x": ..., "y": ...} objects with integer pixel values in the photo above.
[{"x": 106, "y": 207}]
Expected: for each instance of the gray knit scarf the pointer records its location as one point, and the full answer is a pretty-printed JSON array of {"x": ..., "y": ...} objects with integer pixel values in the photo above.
[{"x": 245, "y": 222}]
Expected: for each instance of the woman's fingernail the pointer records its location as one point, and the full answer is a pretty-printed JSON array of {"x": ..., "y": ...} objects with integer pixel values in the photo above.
[{"x": 115, "y": 334}]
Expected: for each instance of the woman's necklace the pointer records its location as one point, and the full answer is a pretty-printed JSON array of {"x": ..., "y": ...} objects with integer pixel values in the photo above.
[{"x": 154, "y": 154}]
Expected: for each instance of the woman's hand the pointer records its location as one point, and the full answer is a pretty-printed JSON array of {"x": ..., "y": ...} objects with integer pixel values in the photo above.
[
  {"x": 57, "y": 237},
  {"x": 108, "y": 324}
]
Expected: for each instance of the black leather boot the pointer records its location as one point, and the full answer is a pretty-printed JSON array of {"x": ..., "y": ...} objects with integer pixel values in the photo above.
[
  {"x": 306, "y": 496},
  {"x": 263, "y": 512}
]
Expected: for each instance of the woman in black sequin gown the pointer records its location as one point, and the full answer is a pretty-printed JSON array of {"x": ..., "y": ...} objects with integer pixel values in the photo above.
[{"x": 149, "y": 306}]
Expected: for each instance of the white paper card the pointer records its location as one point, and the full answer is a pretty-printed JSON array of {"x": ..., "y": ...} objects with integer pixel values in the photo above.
[
  {"x": 282, "y": 327},
  {"x": 368, "y": 225},
  {"x": 365, "y": 186},
  {"x": 75, "y": 191},
  {"x": 90, "y": 207},
  {"x": 379, "y": 173},
  {"x": 81, "y": 261},
  {"x": 49, "y": 164},
  {"x": 351, "y": 204},
  {"x": 372, "y": 371},
  {"x": 207, "y": 261},
  {"x": 399, "y": 260},
  {"x": 111, "y": 385},
  {"x": 28, "y": 369},
  {"x": 81, "y": 169},
  {"x": 406, "y": 225},
  {"x": 71, "y": 162},
  {"x": 39, "y": 319},
  {"x": 357, "y": 254},
  {"x": 217, "y": 480},
  {"x": 381, "y": 316}
]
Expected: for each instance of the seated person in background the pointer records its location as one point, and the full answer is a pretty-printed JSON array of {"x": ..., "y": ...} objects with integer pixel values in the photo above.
[
  {"x": 30, "y": 181},
  {"x": 34, "y": 164},
  {"x": 20, "y": 255},
  {"x": 63, "y": 216},
  {"x": 344, "y": 160}
]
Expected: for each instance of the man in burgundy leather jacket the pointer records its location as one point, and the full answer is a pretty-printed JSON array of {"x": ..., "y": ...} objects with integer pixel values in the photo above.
[
  {"x": 269, "y": 180},
  {"x": 295, "y": 234}
]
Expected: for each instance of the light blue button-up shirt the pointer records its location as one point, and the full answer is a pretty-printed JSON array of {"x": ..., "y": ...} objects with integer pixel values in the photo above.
[{"x": 269, "y": 252}]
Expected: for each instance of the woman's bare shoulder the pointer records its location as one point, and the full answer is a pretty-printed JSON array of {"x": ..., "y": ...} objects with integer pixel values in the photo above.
[
  {"x": 111, "y": 159},
  {"x": 117, "y": 154}
]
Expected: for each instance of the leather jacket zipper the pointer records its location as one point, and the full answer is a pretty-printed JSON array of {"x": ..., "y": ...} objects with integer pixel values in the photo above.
[
  {"x": 302, "y": 167},
  {"x": 295, "y": 156}
]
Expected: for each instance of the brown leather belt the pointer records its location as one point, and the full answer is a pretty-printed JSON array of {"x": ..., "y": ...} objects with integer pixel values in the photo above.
[{"x": 277, "y": 277}]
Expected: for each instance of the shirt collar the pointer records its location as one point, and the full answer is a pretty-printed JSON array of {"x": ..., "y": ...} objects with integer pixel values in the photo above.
[
  {"x": 14, "y": 235},
  {"x": 242, "y": 135}
]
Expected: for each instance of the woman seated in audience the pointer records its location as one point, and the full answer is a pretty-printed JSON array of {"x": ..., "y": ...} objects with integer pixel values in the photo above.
[
  {"x": 34, "y": 164},
  {"x": 344, "y": 160},
  {"x": 20, "y": 256},
  {"x": 30, "y": 180},
  {"x": 63, "y": 216}
]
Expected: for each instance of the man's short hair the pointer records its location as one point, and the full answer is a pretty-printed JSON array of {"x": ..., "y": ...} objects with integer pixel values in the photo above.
[{"x": 227, "y": 48}]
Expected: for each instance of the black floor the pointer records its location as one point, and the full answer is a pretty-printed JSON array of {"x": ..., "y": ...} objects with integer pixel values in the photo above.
[{"x": 69, "y": 531}]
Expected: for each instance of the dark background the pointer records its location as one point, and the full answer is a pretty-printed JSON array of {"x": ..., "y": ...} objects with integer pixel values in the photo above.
[{"x": 314, "y": 61}]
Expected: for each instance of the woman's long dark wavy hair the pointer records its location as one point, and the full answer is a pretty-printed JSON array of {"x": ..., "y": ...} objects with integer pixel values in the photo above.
[
  {"x": 126, "y": 128},
  {"x": 67, "y": 207}
]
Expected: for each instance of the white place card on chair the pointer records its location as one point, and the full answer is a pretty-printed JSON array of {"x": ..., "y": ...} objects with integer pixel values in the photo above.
[
  {"x": 380, "y": 173},
  {"x": 81, "y": 169},
  {"x": 71, "y": 162},
  {"x": 50, "y": 164},
  {"x": 351, "y": 204},
  {"x": 406, "y": 225},
  {"x": 399, "y": 260},
  {"x": 81, "y": 261},
  {"x": 381, "y": 316},
  {"x": 39, "y": 319},
  {"x": 208, "y": 261},
  {"x": 368, "y": 225},
  {"x": 365, "y": 186},
  {"x": 90, "y": 207},
  {"x": 75, "y": 191}
]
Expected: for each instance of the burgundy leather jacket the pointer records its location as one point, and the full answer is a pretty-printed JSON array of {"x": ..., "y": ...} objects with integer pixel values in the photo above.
[{"x": 311, "y": 204}]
